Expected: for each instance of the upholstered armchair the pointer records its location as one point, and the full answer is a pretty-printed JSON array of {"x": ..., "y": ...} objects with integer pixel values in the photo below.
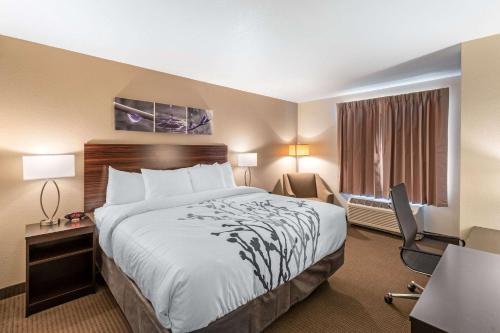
[{"x": 305, "y": 185}]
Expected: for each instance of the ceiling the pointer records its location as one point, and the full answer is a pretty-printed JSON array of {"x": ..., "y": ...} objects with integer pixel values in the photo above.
[{"x": 289, "y": 49}]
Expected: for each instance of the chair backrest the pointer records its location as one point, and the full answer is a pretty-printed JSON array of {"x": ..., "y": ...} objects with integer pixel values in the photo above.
[
  {"x": 303, "y": 184},
  {"x": 404, "y": 214}
]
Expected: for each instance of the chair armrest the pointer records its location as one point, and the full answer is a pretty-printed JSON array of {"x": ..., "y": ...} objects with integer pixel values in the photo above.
[
  {"x": 325, "y": 195},
  {"x": 278, "y": 188},
  {"x": 330, "y": 198},
  {"x": 287, "y": 188},
  {"x": 322, "y": 190},
  {"x": 443, "y": 238},
  {"x": 420, "y": 251}
]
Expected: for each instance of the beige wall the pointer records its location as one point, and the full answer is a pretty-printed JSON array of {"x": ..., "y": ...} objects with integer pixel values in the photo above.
[
  {"x": 480, "y": 141},
  {"x": 53, "y": 101},
  {"x": 318, "y": 126}
]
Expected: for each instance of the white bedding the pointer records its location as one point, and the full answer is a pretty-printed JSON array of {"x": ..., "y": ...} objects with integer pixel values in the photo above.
[{"x": 198, "y": 257}]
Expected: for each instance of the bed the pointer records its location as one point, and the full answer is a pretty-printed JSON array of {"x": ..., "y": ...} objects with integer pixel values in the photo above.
[{"x": 222, "y": 260}]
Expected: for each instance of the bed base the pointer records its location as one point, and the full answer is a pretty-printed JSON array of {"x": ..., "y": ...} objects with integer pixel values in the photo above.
[{"x": 252, "y": 317}]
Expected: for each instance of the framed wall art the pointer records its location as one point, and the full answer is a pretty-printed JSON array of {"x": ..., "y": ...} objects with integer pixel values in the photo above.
[{"x": 136, "y": 115}]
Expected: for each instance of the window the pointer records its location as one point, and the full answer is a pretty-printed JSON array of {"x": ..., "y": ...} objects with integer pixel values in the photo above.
[{"x": 395, "y": 139}]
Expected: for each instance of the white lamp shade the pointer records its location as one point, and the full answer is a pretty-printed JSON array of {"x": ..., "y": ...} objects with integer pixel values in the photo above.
[
  {"x": 247, "y": 160},
  {"x": 48, "y": 166}
]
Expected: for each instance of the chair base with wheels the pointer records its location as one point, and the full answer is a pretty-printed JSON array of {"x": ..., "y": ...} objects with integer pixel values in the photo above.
[{"x": 412, "y": 287}]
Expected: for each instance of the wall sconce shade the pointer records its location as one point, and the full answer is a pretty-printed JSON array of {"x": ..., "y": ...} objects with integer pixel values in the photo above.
[
  {"x": 48, "y": 166},
  {"x": 247, "y": 160},
  {"x": 298, "y": 150}
]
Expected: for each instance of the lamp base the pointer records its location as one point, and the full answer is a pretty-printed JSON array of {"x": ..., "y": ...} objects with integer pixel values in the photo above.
[
  {"x": 249, "y": 173},
  {"x": 47, "y": 222},
  {"x": 50, "y": 220}
]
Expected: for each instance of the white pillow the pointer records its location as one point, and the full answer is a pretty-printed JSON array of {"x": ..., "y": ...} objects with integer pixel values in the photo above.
[
  {"x": 207, "y": 177},
  {"x": 166, "y": 183},
  {"x": 124, "y": 187},
  {"x": 227, "y": 174}
]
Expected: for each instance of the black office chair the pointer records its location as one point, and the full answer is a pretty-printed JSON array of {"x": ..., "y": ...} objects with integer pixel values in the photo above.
[{"x": 422, "y": 256}]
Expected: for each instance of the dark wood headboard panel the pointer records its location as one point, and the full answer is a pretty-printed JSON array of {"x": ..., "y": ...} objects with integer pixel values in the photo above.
[{"x": 133, "y": 157}]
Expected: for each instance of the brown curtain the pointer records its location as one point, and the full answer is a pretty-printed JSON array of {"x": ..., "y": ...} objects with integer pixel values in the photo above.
[{"x": 395, "y": 139}]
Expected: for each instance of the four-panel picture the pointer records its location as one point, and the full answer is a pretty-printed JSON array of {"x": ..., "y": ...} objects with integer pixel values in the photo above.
[{"x": 135, "y": 115}]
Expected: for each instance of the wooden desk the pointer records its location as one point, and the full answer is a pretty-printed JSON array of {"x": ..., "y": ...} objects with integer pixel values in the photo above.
[{"x": 463, "y": 294}]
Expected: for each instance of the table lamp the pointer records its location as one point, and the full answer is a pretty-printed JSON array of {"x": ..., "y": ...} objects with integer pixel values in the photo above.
[
  {"x": 48, "y": 167},
  {"x": 247, "y": 160},
  {"x": 298, "y": 151}
]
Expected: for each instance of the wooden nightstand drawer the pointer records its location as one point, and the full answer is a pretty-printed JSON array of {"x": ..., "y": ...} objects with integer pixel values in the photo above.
[{"x": 60, "y": 263}]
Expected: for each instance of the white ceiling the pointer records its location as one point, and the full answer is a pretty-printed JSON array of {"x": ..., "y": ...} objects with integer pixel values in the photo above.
[{"x": 293, "y": 50}]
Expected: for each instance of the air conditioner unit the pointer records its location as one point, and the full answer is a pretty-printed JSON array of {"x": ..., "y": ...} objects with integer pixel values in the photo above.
[{"x": 378, "y": 214}]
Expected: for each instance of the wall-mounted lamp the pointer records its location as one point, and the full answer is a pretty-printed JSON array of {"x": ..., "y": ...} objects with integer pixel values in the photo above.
[
  {"x": 48, "y": 167},
  {"x": 298, "y": 151},
  {"x": 247, "y": 160}
]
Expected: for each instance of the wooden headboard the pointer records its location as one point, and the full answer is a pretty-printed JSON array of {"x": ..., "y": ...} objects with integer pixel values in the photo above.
[{"x": 133, "y": 157}]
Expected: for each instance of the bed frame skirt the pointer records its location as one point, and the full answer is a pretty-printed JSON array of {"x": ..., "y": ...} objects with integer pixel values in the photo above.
[{"x": 252, "y": 317}]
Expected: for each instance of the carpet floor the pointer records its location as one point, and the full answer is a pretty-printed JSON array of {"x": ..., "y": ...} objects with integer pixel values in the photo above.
[{"x": 351, "y": 301}]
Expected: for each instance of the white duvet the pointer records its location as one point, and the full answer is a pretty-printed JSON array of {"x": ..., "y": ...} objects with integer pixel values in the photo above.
[{"x": 198, "y": 257}]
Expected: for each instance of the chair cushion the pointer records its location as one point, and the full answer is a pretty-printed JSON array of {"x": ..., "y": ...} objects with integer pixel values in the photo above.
[
  {"x": 431, "y": 245},
  {"x": 420, "y": 262},
  {"x": 303, "y": 184},
  {"x": 423, "y": 262}
]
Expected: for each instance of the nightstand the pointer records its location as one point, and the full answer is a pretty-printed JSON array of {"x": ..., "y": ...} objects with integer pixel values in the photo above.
[{"x": 60, "y": 263}]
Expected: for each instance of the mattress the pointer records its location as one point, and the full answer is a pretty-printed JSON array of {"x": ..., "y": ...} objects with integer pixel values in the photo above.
[{"x": 200, "y": 256}]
